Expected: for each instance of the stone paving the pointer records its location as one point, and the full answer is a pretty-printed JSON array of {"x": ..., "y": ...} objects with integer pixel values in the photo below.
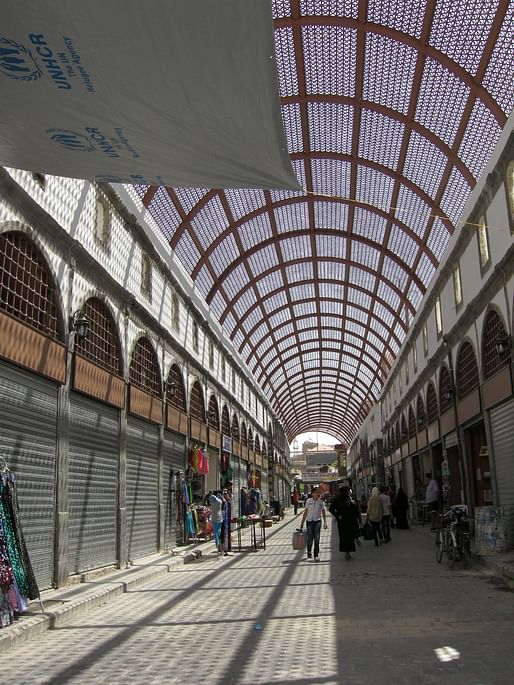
[{"x": 390, "y": 615}]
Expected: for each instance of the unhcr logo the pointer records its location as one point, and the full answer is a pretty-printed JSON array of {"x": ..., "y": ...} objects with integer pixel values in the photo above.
[
  {"x": 17, "y": 62},
  {"x": 71, "y": 140}
]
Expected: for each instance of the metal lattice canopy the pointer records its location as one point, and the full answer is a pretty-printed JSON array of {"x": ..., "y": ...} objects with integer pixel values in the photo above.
[{"x": 391, "y": 110}]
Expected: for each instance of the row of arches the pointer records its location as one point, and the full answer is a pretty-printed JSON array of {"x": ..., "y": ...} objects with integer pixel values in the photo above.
[
  {"x": 435, "y": 402},
  {"x": 28, "y": 292}
]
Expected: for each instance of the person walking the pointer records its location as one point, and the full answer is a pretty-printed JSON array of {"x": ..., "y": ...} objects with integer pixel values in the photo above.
[
  {"x": 402, "y": 509},
  {"x": 294, "y": 500},
  {"x": 432, "y": 498},
  {"x": 374, "y": 513},
  {"x": 345, "y": 512},
  {"x": 314, "y": 511},
  {"x": 386, "y": 514}
]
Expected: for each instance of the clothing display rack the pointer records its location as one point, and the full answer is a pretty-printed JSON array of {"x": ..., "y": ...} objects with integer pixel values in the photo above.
[{"x": 17, "y": 581}]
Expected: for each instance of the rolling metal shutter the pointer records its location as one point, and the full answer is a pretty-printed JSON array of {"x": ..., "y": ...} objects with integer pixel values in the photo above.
[
  {"x": 502, "y": 429},
  {"x": 173, "y": 460},
  {"x": 92, "y": 484},
  {"x": 142, "y": 488},
  {"x": 28, "y": 442}
]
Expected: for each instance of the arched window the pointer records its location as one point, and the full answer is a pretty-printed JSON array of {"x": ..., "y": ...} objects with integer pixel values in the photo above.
[
  {"x": 101, "y": 345},
  {"x": 397, "y": 441},
  {"x": 257, "y": 447},
  {"x": 445, "y": 389},
  {"x": 235, "y": 427},
  {"x": 264, "y": 449},
  {"x": 432, "y": 408},
  {"x": 213, "y": 416},
  {"x": 250, "y": 438},
  {"x": 175, "y": 389},
  {"x": 197, "y": 403},
  {"x": 244, "y": 437},
  {"x": 27, "y": 290},
  {"x": 496, "y": 348},
  {"x": 467, "y": 378},
  {"x": 421, "y": 419},
  {"x": 144, "y": 368},
  {"x": 225, "y": 421}
]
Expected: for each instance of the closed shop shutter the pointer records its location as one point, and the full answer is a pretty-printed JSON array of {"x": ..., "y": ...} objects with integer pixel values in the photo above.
[
  {"x": 142, "y": 488},
  {"x": 409, "y": 478},
  {"x": 237, "y": 484},
  {"x": 502, "y": 428},
  {"x": 28, "y": 442},
  {"x": 173, "y": 461},
  {"x": 92, "y": 484}
]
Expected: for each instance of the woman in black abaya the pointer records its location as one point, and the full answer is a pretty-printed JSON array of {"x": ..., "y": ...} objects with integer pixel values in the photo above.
[{"x": 345, "y": 512}]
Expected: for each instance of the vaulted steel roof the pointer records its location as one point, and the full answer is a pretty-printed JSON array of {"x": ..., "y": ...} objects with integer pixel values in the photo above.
[{"x": 391, "y": 110}]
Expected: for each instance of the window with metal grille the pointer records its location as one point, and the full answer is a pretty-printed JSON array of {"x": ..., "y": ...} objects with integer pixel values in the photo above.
[
  {"x": 235, "y": 427},
  {"x": 432, "y": 408},
  {"x": 197, "y": 403},
  {"x": 250, "y": 438},
  {"x": 213, "y": 418},
  {"x": 264, "y": 449},
  {"x": 244, "y": 438},
  {"x": 144, "y": 369},
  {"x": 27, "y": 291},
  {"x": 496, "y": 348},
  {"x": 175, "y": 313},
  {"x": 101, "y": 345},
  {"x": 257, "y": 445},
  {"x": 467, "y": 378},
  {"x": 175, "y": 390},
  {"x": 225, "y": 421},
  {"x": 445, "y": 389},
  {"x": 146, "y": 274}
]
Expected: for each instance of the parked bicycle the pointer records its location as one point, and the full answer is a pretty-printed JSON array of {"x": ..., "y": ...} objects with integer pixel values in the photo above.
[{"x": 453, "y": 539}]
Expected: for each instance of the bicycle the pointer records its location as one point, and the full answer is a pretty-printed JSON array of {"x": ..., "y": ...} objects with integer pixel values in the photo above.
[{"x": 453, "y": 539}]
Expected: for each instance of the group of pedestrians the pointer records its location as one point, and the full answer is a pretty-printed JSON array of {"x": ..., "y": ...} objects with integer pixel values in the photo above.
[{"x": 347, "y": 513}]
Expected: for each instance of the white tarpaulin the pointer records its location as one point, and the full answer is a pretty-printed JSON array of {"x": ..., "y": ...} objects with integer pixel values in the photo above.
[{"x": 165, "y": 92}]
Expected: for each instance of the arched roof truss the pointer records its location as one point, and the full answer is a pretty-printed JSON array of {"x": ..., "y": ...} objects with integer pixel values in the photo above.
[{"x": 391, "y": 109}]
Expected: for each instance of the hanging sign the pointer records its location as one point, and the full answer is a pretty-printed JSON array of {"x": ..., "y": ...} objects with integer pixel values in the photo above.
[{"x": 161, "y": 92}]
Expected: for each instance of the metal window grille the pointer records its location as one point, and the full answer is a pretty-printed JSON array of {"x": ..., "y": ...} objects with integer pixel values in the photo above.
[
  {"x": 26, "y": 288},
  {"x": 146, "y": 274},
  {"x": 467, "y": 371},
  {"x": 214, "y": 415},
  {"x": 225, "y": 421},
  {"x": 257, "y": 446},
  {"x": 405, "y": 433},
  {"x": 101, "y": 344},
  {"x": 250, "y": 438},
  {"x": 445, "y": 390},
  {"x": 432, "y": 408},
  {"x": 494, "y": 330},
  {"x": 197, "y": 405},
  {"x": 235, "y": 428},
  {"x": 177, "y": 400},
  {"x": 144, "y": 370},
  {"x": 244, "y": 438}
]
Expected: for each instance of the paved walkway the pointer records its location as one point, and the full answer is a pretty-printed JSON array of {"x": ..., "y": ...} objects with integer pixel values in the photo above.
[{"x": 390, "y": 615}]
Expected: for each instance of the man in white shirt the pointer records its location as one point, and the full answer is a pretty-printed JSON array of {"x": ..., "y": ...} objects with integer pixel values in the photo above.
[
  {"x": 314, "y": 510},
  {"x": 386, "y": 514},
  {"x": 432, "y": 498}
]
